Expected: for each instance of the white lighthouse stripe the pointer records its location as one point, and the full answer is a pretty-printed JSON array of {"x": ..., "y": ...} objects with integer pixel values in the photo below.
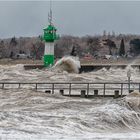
[{"x": 49, "y": 49}]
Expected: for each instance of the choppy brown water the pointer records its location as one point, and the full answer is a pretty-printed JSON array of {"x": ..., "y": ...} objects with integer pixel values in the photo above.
[{"x": 27, "y": 114}]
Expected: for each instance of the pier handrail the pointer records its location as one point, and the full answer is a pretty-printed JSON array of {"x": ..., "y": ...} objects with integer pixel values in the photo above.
[
  {"x": 86, "y": 86},
  {"x": 1, "y": 82}
]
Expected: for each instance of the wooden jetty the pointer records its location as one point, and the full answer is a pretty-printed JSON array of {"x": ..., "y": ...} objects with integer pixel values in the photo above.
[{"x": 77, "y": 89}]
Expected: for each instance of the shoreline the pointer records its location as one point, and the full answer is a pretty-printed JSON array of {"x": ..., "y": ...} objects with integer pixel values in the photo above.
[{"x": 99, "y": 61}]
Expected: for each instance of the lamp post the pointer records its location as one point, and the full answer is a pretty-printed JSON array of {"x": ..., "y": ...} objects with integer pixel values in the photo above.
[{"x": 129, "y": 79}]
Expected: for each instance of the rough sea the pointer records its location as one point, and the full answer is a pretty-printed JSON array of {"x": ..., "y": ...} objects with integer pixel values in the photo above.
[{"x": 29, "y": 114}]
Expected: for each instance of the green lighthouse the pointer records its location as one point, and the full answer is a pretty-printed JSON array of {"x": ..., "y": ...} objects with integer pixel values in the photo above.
[{"x": 49, "y": 37}]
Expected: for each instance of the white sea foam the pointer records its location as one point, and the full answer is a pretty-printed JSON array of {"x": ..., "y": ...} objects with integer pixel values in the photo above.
[
  {"x": 133, "y": 99},
  {"x": 70, "y": 64},
  {"x": 36, "y": 115}
]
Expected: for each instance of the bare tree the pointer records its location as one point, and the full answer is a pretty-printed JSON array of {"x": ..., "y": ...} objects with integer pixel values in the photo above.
[
  {"x": 37, "y": 50},
  {"x": 111, "y": 45}
]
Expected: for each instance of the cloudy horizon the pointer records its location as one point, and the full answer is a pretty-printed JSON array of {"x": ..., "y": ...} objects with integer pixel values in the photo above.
[{"x": 77, "y": 18}]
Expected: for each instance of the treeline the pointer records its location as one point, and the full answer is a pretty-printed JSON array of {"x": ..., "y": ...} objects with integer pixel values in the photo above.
[
  {"x": 32, "y": 46},
  {"x": 122, "y": 45},
  {"x": 116, "y": 45}
]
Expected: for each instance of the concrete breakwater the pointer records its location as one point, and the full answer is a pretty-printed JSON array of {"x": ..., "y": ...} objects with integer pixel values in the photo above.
[
  {"x": 91, "y": 67},
  {"x": 87, "y": 67}
]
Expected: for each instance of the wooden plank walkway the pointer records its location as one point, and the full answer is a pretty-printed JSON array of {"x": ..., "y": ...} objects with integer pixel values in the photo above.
[{"x": 77, "y": 89}]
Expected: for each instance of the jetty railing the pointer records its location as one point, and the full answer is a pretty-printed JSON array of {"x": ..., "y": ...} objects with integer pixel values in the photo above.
[{"x": 72, "y": 88}]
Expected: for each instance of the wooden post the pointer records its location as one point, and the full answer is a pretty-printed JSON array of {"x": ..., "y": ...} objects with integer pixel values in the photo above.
[
  {"x": 19, "y": 85},
  {"x": 129, "y": 84},
  {"x": 3, "y": 86},
  {"x": 87, "y": 89},
  {"x": 96, "y": 92},
  {"x": 69, "y": 89},
  {"x": 116, "y": 94},
  {"x": 36, "y": 86},
  {"x": 53, "y": 88},
  {"x": 83, "y": 93},
  {"x": 61, "y": 92},
  {"x": 121, "y": 89},
  {"x": 104, "y": 91}
]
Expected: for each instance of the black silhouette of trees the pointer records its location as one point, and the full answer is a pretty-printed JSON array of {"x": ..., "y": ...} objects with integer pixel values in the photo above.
[
  {"x": 13, "y": 41},
  {"x": 135, "y": 46},
  {"x": 122, "y": 48},
  {"x": 2, "y": 49},
  {"x": 111, "y": 45}
]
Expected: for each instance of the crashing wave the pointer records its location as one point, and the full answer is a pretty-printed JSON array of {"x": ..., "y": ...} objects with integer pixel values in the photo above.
[
  {"x": 70, "y": 64},
  {"x": 133, "y": 99}
]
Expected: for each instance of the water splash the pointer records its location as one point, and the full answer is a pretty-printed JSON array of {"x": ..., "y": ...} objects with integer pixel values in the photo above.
[
  {"x": 43, "y": 114},
  {"x": 133, "y": 99},
  {"x": 68, "y": 63}
]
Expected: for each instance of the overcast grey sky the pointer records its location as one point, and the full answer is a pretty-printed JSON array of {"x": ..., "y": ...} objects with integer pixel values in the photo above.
[{"x": 28, "y": 18}]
